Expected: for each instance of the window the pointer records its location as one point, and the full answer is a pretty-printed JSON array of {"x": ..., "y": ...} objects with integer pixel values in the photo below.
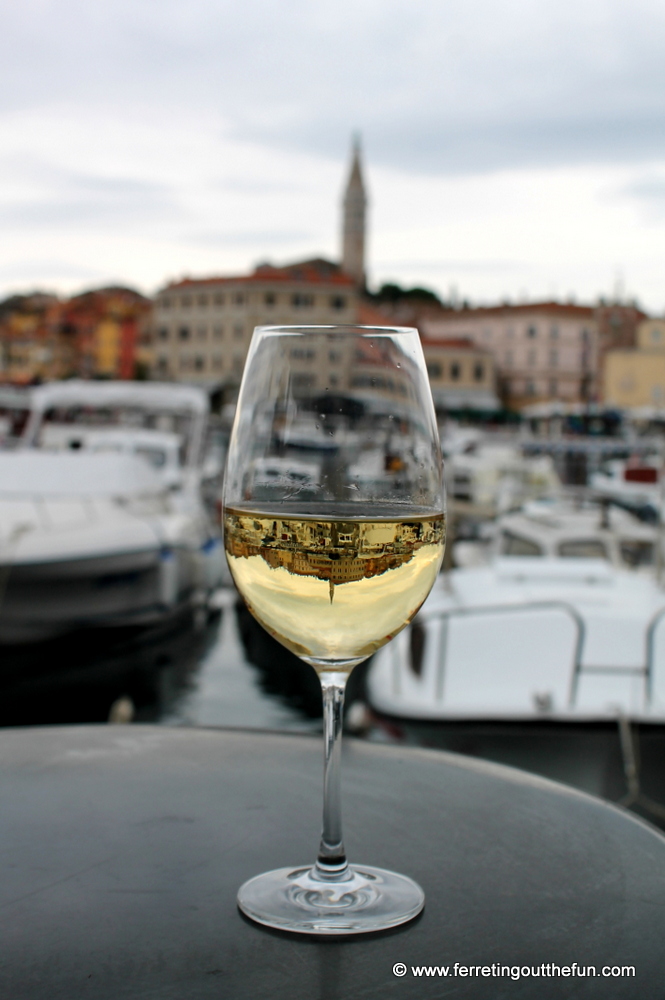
[
  {"x": 531, "y": 358},
  {"x": 585, "y": 336},
  {"x": 163, "y": 333},
  {"x": 217, "y": 362},
  {"x": 530, "y": 389},
  {"x": 531, "y": 332},
  {"x": 304, "y": 380},
  {"x": 554, "y": 333},
  {"x": 583, "y": 548},
  {"x": 434, "y": 369},
  {"x": 183, "y": 333},
  {"x": 479, "y": 372},
  {"x": 334, "y": 356},
  {"x": 655, "y": 335},
  {"x": 454, "y": 371},
  {"x": 238, "y": 365},
  {"x": 509, "y": 359},
  {"x": 218, "y": 333},
  {"x": 162, "y": 365},
  {"x": 554, "y": 388},
  {"x": 334, "y": 378},
  {"x": 166, "y": 302},
  {"x": 202, "y": 299},
  {"x": 238, "y": 298},
  {"x": 270, "y": 298},
  {"x": 338, "y": 302},
  {"x": 636, "y": 552},
  {"x": 554, "y": 357},
  {"x": 218, "y": 299},
  {"x": 199, "y": 363},
  {"x": 515, "y": 545},
  {"x": 300, "y": 301},
  {"x": 156, "y": 457},
  {"x": 186, "y": 301},
  {"x": 202, "y": 332},
  {"x": 303, "y": 353},
  {"x": 184, "y": 363},
  {"x": 238, "y": 331}
]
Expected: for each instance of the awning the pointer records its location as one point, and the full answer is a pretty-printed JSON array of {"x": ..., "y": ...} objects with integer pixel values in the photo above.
[{"x": 465, "y": 399}]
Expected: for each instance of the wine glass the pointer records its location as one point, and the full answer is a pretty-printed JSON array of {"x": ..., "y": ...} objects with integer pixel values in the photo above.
[{"x": 334, "y": 532}]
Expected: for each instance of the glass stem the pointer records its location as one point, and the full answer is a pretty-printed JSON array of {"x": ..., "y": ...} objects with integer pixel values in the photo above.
[{"x": 331, "y": 862}]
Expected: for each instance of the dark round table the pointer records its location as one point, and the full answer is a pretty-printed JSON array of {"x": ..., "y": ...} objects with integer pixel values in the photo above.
[{"x": 123, "y": 847}]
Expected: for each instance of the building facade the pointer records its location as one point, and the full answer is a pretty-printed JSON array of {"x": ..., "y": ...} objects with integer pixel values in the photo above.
[
  {"x": 96, "y": 334},
  {"x": 108, "y": 327},
  {"x": 541, "y": 351},
  {"x": 33, "y": 345},
  {"x": 462, "y": 375},
  {"x": 635, "y": 377},
  {"x": 201, "y": 328}
]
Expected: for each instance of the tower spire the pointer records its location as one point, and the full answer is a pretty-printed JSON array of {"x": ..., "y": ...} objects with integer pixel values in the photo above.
[{"x": 353, "y": 219}]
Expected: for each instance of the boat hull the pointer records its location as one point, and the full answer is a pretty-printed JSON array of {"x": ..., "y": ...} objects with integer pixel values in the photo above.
[{"x": 45, "y": 599}]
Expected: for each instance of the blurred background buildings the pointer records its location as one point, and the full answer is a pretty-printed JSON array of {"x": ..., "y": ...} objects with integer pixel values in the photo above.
[{"x": 197, "y": 329}]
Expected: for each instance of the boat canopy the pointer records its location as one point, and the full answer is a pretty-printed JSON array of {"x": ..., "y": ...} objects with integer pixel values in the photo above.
[{"x": 76, "y": 473}]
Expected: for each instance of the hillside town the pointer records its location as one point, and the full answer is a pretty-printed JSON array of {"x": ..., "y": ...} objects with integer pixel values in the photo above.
[{"x": 491, "y": 359}]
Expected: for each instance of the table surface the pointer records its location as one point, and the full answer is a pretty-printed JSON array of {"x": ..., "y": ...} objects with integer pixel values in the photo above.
[{"x": 122, "y": 849}]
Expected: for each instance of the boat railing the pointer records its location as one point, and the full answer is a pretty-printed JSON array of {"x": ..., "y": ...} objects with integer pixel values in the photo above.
[
  {"x": 650, "y": 646},
  {"x": 446, "y": 615}
]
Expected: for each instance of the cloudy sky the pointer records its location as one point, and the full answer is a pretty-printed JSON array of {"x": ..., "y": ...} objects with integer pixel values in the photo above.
[{"x": 513, "y": 148}]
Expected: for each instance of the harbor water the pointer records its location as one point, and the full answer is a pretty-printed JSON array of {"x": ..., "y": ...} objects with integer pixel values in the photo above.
[{"x": 225, "y": 671}]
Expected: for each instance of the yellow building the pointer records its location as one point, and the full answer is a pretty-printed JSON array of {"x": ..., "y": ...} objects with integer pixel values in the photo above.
[
  {"x": 636, "y": 377},
  {"x": 461, "y": 374},
  {"x": 650, "y": 335}
]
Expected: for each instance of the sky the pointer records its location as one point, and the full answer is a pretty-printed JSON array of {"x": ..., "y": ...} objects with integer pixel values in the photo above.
[{"x": 513, "y": 149}]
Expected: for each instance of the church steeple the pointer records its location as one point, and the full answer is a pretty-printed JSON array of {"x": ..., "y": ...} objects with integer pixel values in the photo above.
[{"x": 353, "y": 220}]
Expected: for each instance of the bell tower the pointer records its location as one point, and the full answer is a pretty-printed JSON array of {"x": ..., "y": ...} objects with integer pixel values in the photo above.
[{"x": 353, "y": 220}]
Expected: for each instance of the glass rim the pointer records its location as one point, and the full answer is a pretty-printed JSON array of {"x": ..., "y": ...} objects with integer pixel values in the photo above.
[{"x": 350, "y": 328}]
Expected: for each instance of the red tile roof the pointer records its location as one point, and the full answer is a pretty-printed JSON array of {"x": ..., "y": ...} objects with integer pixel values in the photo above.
[
  {"x": 551, "y": 308},
  {"x": 369, "y": 315},
  {"x": 456, "y": 343},
  {"x": 317, "y": 271}
]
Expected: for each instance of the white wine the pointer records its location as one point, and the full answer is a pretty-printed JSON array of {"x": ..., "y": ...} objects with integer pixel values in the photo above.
[{"x": 333, "y": 589}]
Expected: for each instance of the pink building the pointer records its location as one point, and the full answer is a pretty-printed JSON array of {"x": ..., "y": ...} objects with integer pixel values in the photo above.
[{"x": 542, "y": 350}]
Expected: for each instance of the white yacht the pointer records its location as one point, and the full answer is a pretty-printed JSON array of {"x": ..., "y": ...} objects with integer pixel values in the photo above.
[
  {"x": 491, "y": 474},
  {"x": 565, "y": 529},
  {"x": 530, "y": 639},
  {"x": 101, "y": 516},
  {"x": 636, "y": 485}
]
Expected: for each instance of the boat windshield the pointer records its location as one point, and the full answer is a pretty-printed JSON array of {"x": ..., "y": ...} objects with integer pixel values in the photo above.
[
  {"x": 635, "y": 552},
  {"x": 517, "y": 545},
  {"x": 59, "y": 423},
  {"x": 583, "y": 548}
]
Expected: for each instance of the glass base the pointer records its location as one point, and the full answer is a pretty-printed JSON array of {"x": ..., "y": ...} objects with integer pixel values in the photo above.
[{"x": 299, "y": 899}]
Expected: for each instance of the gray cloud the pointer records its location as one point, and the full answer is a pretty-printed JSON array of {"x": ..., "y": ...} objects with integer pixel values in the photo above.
[
  {"x": 469, "y": 85},
  {"x": 47, "y": 270},
  {"x": 267, "y": 237},
  {"x": 480, "y": 266},
  {"x": 65, "y": 198},
  {"x": 648, "y": 193}
]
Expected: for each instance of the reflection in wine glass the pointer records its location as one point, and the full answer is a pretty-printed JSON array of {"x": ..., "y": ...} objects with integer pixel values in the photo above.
[{"x": 334, "y": 532}]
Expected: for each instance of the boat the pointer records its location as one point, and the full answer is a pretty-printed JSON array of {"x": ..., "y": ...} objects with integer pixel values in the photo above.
[
  {"x": 524, "y": 639},
  {"x": 636, "y": 485},
  {"x": 102, "y": 521},
  {"x": 489, "y": 475},
  {"x": 565, "y": 529}
]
